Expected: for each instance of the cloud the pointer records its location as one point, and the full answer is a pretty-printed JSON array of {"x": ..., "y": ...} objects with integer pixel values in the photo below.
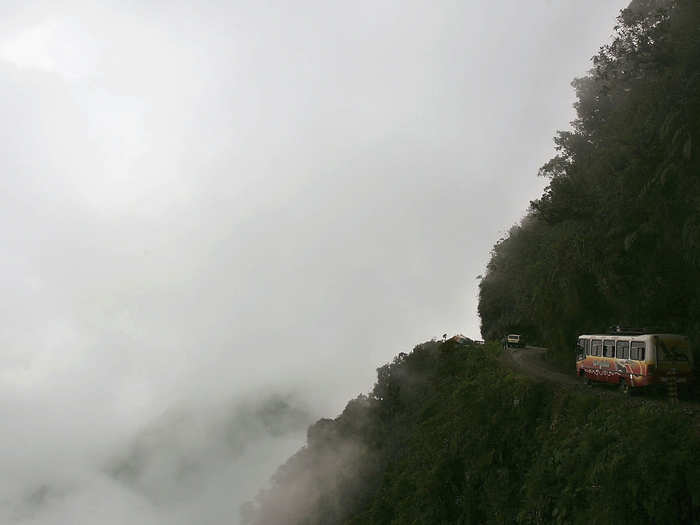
[
  {"x": 235, "y": 202},
  {"x": 59, "y": 45},
  {"x": 189, "y": 465}
]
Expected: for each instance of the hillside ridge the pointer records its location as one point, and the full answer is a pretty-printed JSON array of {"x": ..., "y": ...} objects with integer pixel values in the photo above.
[{"x": 450, "y": 435}]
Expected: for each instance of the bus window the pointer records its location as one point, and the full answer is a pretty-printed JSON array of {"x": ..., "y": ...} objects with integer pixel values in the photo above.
[
  {"x": 588, "y": 346},
  {"x": 637, "y": 350},
  {"x": 596, "y": 347},
  {"x": 608, "y": 348},
  {"x": 622, "y": 349}
]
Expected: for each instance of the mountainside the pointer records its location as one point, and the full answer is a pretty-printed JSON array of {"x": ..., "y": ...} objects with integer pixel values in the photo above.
[
  {"x": 450, "y": 435},
  {"x": 615, "y": 238}
]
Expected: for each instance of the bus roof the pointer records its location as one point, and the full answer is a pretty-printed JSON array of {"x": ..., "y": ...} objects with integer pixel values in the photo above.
[{"x": 632, "y": 335}]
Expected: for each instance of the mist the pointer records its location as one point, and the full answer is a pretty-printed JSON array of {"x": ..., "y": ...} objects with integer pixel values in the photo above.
[{"x": 218, "y": 219}]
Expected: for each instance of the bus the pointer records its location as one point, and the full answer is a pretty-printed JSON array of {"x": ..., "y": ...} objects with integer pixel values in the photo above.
[{"x": 633, "y": 360}]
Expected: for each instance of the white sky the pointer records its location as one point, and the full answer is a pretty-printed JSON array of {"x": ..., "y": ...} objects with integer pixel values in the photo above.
[{"x": 213, "y": 201}]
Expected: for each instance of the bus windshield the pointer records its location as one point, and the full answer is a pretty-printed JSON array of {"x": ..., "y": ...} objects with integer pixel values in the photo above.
[{"x": 672, "y": 348}]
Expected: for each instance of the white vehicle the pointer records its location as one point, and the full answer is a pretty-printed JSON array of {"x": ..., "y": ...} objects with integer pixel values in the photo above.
[{"x": 514, "y": 341}]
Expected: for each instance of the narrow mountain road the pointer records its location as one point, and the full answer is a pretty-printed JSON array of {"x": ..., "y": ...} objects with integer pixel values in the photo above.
[{"x": 529, "y": 360}]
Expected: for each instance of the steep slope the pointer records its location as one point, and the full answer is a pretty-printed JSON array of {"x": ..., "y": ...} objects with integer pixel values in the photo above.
[{"x": 449, "y": 435}]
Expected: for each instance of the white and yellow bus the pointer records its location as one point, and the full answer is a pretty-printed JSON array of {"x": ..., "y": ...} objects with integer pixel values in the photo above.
[{"x": 632, "y": 360}]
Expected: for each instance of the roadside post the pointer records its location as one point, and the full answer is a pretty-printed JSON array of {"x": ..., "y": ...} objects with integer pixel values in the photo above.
[{"x": 672, "y": 386}]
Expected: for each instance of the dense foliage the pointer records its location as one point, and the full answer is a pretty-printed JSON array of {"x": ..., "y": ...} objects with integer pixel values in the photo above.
[
  {"x": 449, "y": 435},
  {"x": 615, "y": 238}
]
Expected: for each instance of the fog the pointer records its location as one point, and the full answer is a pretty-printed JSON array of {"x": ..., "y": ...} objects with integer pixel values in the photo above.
[{"x": 218, "y": 218}]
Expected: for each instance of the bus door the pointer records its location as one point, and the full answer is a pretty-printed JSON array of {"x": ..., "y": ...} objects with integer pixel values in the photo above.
[
  {"x": 608, "y": 368},
  {"x": 581, "y": 350},
  {"x": 593, "y": 360}
]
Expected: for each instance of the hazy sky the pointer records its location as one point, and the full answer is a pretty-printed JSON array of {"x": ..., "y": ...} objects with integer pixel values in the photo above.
[{"x": 209, "y": 202}]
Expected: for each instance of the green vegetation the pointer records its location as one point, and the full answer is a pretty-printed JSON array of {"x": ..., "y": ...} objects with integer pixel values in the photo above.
[
  {"x": 450, "y": 435},
  {"x": 615, "y": 238}
]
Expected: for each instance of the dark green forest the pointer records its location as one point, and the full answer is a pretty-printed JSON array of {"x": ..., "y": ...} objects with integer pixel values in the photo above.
[
  {"x": 615, "y": 237},
  {"x": 451, "y": 435}
]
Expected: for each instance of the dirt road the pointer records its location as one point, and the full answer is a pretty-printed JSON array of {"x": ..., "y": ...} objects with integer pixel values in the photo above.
[{"x": 530, "y": 361}]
